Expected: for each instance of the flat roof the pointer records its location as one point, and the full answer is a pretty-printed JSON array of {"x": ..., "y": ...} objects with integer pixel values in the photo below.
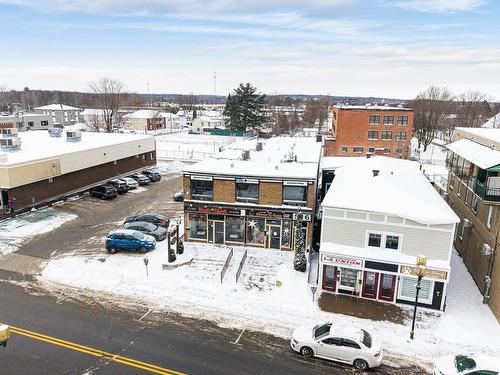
[
  {"x": 482, "y": 156},
  {"x": 492, "y": 134},
  {"x": 399, "y": 189},
  {"x": 372, "y": 107}
]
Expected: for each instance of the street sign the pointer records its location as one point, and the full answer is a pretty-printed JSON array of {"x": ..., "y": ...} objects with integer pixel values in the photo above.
[{"x": 313, "y": 290}]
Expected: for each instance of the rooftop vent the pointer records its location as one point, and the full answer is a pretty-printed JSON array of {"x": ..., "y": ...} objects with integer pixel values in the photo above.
[
  {"x": 73, "y": 135},
  {"x": 245, "y": 155},
  {"x": 11, "y": 143},
  {"x": 375, "y": 172},
  {"x": 55, "y": 132}
]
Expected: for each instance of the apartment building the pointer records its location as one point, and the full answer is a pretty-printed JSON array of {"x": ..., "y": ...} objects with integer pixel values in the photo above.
[
  {"x": 205, "y": 124},
  {"x": 144, "y": 120},
  {"x": 379, "y": 215},
  {"x": 61, "y": 114},
  {"x": 473, "y": 192},
  {"x": 28, "y": 121},
  {"x": 358, "y": 130},
  {"x": 253, "y": 194}
]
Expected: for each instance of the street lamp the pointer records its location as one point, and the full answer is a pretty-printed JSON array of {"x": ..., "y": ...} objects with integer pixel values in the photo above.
[{"x": 421, "y": 265}]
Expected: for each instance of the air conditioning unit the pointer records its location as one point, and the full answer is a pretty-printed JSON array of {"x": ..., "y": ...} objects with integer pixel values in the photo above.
[
  {"x": 9, "y": 132},
  {"x": 12, "y": 143},
  {"x": 486, "y": 250},
  {"x": 55, "y": 132},
  {"x": 245, "y": 155},
  {"x": 73, "y": 135}
]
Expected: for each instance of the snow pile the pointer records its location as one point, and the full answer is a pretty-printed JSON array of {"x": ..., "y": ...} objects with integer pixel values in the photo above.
[
  {"x": 435, "y": 153},
  {"x": 270, "y": 296},
  {"x": 167, "y": 167},
  {"x": 16, "y": 230}
]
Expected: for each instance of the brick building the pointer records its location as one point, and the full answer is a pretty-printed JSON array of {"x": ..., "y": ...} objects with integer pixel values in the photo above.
[
  {"x": 360, "y": 130},
  {"x": 252, "y": 193}
]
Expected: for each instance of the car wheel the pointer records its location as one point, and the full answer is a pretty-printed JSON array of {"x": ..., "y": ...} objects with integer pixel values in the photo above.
[
  {"x": 143, "y": 250},
  {"x": 306, "y": 352},
  {"x": 360, "y": 364},
  {"x": 112, "y": 250}
]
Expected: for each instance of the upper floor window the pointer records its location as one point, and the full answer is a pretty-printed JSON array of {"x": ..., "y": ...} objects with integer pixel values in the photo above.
[
  {"x": 371, "y": 149},
  {"x": 386, "y": 135},
  {"x": 389, "y": 241},
  {"x": 374, "y": 119},
  {"x": 202, "y": 189},
  {"x": 388, "y": 120},
  {"x": 373, "y": 134},
  {"x": 44, "y": 123},
  {"x": 403, "y": 120},
  {"x": 400, "y": 136},
  {"x": 295, "y": 195},
  {"x": 247, "y": 190}
]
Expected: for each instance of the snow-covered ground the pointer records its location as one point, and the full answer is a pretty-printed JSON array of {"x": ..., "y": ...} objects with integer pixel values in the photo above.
[
  {"x": 18, "y": 229},
  {"x": 433, "y": 160},
  {"x": 270, "y": 296}
]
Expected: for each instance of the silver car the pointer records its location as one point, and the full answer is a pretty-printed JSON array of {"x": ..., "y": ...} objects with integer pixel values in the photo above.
[
  {"x": 132, "y": 184},
  {"x": 356, "y": 347}
]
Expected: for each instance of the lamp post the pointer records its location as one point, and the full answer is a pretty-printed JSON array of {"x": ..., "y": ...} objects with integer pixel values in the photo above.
[{"x": 421, "y": 265}]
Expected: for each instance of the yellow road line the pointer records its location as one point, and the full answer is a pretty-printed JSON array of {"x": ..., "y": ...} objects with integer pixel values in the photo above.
[{"x": 95, "y": 352}]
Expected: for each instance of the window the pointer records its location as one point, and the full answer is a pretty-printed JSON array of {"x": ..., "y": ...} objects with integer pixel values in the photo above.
[
  {"x": 295, "y": 195},
  {"x": 489, "y": 220},
  {"x": 198, "y": 226},
  {"x": 371, "y": 150},
  {"x": 475, "y": 199},
  {"x": 202, "y": 190},
  {"x": 350, "y": 344},
  {"x": 400, "y": 136},
  {"x": 31, "y": 124},
  {"x": 151, "y": 156},
  {"x": 403, "y": 120},
  {"x": 374, "y": 239},
  {"x": 44, "y": 123},
  {"x": 373, "y": 134},
  {"x": 388, "y": 120},
  {"x": 143, "y": 157},
  {"x": 387, "y": 150},
  {"x": 332, "y": 341},
  {"x": 235, "y": 229},
  {"x": 357, "y": 150},
  {"x": 247, "y": 190},
  {"x": 345, "y": 149},
  {"x": 374, "y": 119},
  {"x": 392, "y": 242},
  {"x": 387, "y": 135},
  {"x": 408, "y": 289},
  {"x": 256, "y": 231}
]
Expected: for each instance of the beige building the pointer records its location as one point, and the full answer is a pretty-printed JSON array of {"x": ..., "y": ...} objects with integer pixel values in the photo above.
[
  {"x": 28, "y": 121},
  {"x": 474, "y": 194},
  {"x": 143, "y": 121},
  {"x": 61, "y": 114}
]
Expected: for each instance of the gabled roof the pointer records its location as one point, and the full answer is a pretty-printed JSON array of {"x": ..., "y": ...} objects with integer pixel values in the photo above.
[
  {"x": 482, "y": 156},
  {"x": 58, "y": 107}
]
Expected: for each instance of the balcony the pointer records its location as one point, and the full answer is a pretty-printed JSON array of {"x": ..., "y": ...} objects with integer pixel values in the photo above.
[{"x": 486, "y": 191}]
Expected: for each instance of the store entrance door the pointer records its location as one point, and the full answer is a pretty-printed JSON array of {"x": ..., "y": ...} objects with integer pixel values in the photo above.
[
  {"x": 216, "y": 232},
  {"x": 370, "y": 284},
  {"x": 329, "y": 281},
  {"x": 348, "y": 281},
  {"x": 274, "y": 237},
  {"x": 387, "y": 287}
]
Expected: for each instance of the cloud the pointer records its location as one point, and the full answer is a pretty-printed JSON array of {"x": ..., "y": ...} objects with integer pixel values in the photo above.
[{"x": 438, "y": 6}]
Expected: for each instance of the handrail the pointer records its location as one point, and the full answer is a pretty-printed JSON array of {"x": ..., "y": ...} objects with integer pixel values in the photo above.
[
  {"x": 226, "y": 265},
  {"x": 242, "y": 263}
]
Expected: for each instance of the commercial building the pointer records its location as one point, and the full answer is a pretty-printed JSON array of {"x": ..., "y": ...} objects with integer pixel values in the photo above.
[
  {"x": 358, "y": 130},
  {"x": 378, "y": 216},
  {"x": 61, "y": 114},
  {"x": 253, "y": 193},
  {"x": 473, "y": 192},
  {"x": 36, "y": 167}
]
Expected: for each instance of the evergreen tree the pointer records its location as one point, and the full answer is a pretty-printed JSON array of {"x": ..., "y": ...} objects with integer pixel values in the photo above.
[
  {"x": 299, "y": 260},
  {"x": 244, "y": 108}
]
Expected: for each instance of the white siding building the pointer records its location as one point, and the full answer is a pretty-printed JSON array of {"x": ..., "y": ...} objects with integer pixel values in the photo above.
[{"x": 61, "y": 114}]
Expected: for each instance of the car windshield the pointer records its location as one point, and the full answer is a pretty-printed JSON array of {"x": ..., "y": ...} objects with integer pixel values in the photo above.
[
  {"x": 139, "y": 236},
  {"x": 149, "y": 226},
  {"x": 366, "y": 338},
  {"x": 462, "y": 363},
  {"x": 321, "y": 330}
]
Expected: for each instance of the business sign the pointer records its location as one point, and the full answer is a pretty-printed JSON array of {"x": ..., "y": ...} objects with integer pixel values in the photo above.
[
  {"x": 348, "y": 262},
  {"x": 201, "y": 178},
  {"x": 429, "y": 272},
  {"x": 247, "y": 181},
  {"x": 303, "y": 217},
  {"x": 295, "y": 183},
  {"x": 212, "y": 210}
]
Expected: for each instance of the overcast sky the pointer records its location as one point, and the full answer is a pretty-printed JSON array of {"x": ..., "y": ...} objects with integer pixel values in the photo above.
[{"x": 390, "y": 48}]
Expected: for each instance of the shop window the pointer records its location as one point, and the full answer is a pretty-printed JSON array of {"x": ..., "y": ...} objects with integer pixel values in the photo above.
[
  {"x": 374, "y": 240},
  {"x": 286, "y": 233},
  {"x": 202, "y": 190},
  {"x": 392, "y": 242},
  {"x": 235, "y": 229},
  {"x": 256, "y": 231},
  {"x": 295, "y": 195},
  {"x": 408, "y": 290},
  {"x": 198, "y": 226},
  {"x": 247, "y": 192}
]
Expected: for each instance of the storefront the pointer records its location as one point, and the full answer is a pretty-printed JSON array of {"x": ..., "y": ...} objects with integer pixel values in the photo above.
[
  {"x": 381, "y": 281},
  {"x": 251, "y": 227}
]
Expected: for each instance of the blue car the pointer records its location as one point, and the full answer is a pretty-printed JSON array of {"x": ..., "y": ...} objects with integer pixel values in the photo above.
[{"x": 128, "y": 239}]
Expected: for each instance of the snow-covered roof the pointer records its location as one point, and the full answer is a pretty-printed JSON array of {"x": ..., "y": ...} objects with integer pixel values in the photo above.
[
  {"x": 490, "y": 134},
  {"x": 58, "y": 107},
  {"x": 372, "y": 107},
  {"x": 482, "y": 156},
  {"x": 493, "y": 122},
  {"x": 93, "y": 112},
  {"x": 169, "y": 115},
  {"x": 143, "y": 113},
  {"x": 399, "y": 189},
  {"x": 209, "y": 119}
]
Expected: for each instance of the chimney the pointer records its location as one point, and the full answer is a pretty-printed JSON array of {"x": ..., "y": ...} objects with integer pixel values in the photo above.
[{"x": 375, "y": 172}]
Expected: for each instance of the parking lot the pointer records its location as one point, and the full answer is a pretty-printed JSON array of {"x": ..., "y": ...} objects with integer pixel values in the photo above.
[{"x": 96, "y": 217}]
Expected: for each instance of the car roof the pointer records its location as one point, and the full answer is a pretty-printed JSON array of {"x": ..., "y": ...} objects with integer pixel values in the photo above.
[
  {"x": 485, "y": 362},
  {"x": 156, "y": 214},
  {"x": 124, "y": 231},
  {"x": 115, "y": 180},
  {"x": 139, "y": 223},
  {"x": 344, "y": 332}
]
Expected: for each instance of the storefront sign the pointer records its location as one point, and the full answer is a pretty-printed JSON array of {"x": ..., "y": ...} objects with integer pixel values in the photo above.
[
  {"x": 247, "y": 180},
  {"x": 332, "y": 259},
  {"x": 201, "y": 178},
  {"x": 295, "y": 183},
  {"x": 429, "y": 272},
  {"x": 212, "y": 210},
  {"x": 268, "y": 214}
]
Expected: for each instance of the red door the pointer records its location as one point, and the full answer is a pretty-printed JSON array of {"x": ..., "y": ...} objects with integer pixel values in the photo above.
[
  {"x": 329, "y": 281},
  {"x": 387, "y": 287},
  {"x": 370, "y": 284}
]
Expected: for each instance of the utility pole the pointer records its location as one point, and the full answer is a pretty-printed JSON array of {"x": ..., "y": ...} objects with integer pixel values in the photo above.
[
  {"x": 149, "y": 96},
  {"x": 215, "y": 87}
]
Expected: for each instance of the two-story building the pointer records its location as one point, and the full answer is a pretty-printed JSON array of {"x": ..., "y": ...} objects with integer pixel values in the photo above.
[
  {"x": 144, "y": 120},
  {"x": 378, "y": 216},
  {"x": 61, "y": 114},
  {"x": 253, "y": 193},
  {"x": 473, "y": 192}
]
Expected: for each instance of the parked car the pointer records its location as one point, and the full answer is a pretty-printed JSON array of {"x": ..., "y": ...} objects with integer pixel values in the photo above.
[
  {"x": 150, "y": 217},
  {"x": 103, "y": 192},
  {"x": 179, "y": 196},
  {"x": 159, "y": 233},
  {"x": 466, "y": 364},
  {"x": 128, "y": 239},
  {"x": 132, "y": 184},
  {"x": 140, "y": 178},
  {"x": 152, "y": 175},
  {"x": 356, "y": 346},
  {"x": 120, "y": 186}
]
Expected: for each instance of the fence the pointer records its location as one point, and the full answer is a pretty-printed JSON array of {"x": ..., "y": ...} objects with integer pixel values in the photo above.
[
  {"x": 241, "y": 265},
  {"x": 224, "y": 269}
]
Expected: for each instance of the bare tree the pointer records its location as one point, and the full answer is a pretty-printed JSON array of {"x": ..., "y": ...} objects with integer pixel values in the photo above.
[
  {"x": 187, "y": 102},
  {"x": 108, "y": 96},
  {"x": 431, "y": 107},
  {"x": 473, "y": 109}
]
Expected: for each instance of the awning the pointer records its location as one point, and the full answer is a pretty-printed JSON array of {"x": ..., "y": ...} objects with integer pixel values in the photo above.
[
  {"x": 482, "y": 156},
  {"x": 496, "y": 168}
]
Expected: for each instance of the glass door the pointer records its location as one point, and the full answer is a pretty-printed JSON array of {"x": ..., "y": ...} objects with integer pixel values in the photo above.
[
  {"x": 348, "y": 279},
  {"x": 219, "y": 232},
  {"x": 274, "y": 237},
  {"x": 329, "y": 277},
  {"x": 387, "y": 287},
  {"x": 370, "y": 284}
]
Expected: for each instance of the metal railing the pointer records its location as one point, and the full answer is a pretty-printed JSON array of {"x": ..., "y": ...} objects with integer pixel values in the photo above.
[
  {"x": 485, "y": 192},
  {"x": 226, "y": 265},
  {"x": 242, "y": 263}
]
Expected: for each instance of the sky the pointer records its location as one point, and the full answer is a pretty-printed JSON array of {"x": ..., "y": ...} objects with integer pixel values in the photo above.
[{"x": 383, "y": 48}]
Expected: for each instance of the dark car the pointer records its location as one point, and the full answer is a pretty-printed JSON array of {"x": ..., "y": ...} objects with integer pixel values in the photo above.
[
  {"x": 150, "y": 217},
  {"x": 140, "y": 178},
  {"x": 178, "y": 197},
  {"x": 120, "y": 186},
  {"x": 152, "y": 175},
  {"x": 159, "y": 233},
  {"x": 127, "y": 239},
  {"x": 103, "y": 192}
]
